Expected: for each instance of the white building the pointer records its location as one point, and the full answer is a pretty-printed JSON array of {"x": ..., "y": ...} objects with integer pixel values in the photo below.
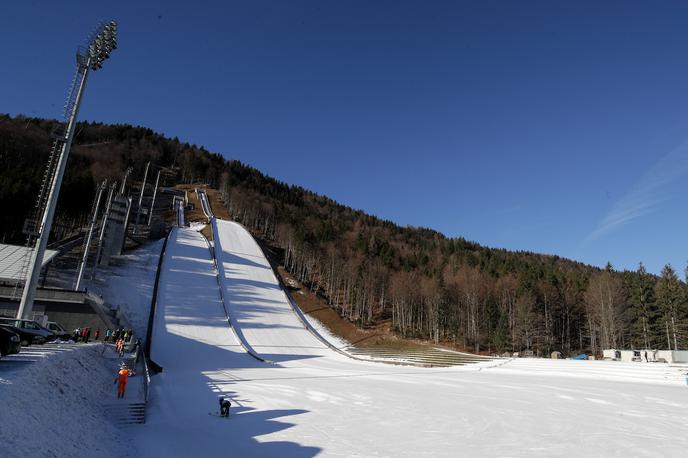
[{"x": 663, "y": 356}]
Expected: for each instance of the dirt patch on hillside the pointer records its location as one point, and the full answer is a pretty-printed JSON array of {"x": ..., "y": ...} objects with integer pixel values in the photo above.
[
  {"x": 196, "y": 214},
  {"x": 312, "y": 305},
  {"x": 216, "y": 203}
]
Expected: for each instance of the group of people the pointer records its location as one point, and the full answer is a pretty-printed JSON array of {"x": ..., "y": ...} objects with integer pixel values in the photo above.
[
  {"x": 125, "y": 334},
  {"x": 84, "y": 334},
  {"x": 121, "y": 337},
  {"x": 119, "y": 347}
]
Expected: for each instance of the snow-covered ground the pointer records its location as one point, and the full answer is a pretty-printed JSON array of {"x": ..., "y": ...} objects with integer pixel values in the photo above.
[
  {"x": 311, "y": 400},
  {"x": 54, "y": 398},
  {"x": 127, "y": 283},
  {"x": 55, "y": 404}
]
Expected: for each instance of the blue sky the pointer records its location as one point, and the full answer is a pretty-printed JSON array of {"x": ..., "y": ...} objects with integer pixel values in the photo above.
[{"x": 555, "y": 127}]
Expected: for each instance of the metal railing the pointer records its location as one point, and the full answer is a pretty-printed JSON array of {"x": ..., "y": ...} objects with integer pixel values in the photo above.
[{"x": 154, "y": 303}]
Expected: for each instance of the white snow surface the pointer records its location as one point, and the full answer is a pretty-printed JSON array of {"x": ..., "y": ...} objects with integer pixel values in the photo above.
[
  {"x": 197, "y": 226},
  {"x": 313, "y": 401},
  {"x": 128, "y": 283},
  {"x": 55, "y": 405}
]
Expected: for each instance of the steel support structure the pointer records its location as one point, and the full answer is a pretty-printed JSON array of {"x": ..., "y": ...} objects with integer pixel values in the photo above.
[
  {"x": 143, "y": 188},
  {"x": 155, "y": 193},
  {"x": 106, "y": 215},
  {"x": 91, "y": 228},
  {"x": 101, "y": 43},
  {"x": 124, "y": 180}
]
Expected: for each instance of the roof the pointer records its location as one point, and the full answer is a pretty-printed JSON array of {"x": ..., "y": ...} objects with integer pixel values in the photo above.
[{"x": 14, "y": 261}]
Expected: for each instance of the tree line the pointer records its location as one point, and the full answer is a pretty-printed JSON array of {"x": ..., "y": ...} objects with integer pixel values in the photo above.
[{"x": 427, "y": 286}]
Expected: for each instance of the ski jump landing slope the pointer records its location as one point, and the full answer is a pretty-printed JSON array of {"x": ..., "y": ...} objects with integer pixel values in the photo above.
[
  {"x": 313, "y": 401},
  {"x": 257, "y": 303}
]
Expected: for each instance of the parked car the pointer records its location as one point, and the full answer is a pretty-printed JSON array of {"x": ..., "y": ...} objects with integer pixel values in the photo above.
[
  {"x": 26, "y": 337},
  {"x": 59, "y": 332},
  {"x": 10, "y": 342},
  {"x": 30, "y": 326}
]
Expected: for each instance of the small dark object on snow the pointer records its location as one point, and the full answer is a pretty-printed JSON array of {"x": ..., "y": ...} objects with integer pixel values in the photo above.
[{"x": 224, "y": 407}]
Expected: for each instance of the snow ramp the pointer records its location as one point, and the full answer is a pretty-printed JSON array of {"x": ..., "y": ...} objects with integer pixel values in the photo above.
[
  {"x": 262, "y": 314},
  {"x": 202, "y": 360},
  {"x": 189, "y": 313}
]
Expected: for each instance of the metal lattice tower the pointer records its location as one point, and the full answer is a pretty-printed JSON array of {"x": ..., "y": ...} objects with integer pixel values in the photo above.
[{"x": 91, "y": 57}]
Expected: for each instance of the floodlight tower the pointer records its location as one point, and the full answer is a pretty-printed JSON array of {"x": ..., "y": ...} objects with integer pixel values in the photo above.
[{"x": 100, "y": 44}]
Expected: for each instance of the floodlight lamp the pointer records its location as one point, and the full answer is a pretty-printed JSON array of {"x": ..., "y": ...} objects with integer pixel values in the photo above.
[{"x": 102, "y": 42}]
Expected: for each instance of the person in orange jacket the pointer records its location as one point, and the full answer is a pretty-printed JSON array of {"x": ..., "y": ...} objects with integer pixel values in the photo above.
[
  {"x": 119, "y": 346},
  {"x": 121, "y": 381}
]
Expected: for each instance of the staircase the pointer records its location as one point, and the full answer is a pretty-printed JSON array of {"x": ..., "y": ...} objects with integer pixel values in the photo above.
[
  {"x": 126, "y": 413},
  {"x": 430, "y": 356}
]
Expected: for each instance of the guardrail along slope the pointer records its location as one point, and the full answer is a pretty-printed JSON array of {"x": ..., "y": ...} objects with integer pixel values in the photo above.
[{"x": 256, "y": 301}]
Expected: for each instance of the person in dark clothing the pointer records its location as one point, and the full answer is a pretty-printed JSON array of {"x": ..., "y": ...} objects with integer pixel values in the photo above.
[
  {"x": 224, "y": 407},
  {"x": 88, "y": 335}
]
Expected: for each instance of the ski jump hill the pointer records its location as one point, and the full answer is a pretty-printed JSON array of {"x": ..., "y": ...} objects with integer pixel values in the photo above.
[{"x": 224, "y": 327}]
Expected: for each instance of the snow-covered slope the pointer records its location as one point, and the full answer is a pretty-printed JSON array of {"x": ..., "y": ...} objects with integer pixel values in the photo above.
[
  {"x": 55, "y": 406},
  {"x": 193, "y": 343},
  {"x": 189, "y": 315},
  {"x": 127, "y": 284},
  {"x": 255, "y": 299},
  {"x": 313, "y": 400}
]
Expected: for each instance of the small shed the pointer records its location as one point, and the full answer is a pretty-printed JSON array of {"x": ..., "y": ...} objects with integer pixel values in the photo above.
[
  {"x": 672, "y": 356},
  {"x": 629, "y": 356},
  {"x": 611, "y": 354}
]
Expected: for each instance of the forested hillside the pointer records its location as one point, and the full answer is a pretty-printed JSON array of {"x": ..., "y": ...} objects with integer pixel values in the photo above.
[{"x": 426, "y": 285}]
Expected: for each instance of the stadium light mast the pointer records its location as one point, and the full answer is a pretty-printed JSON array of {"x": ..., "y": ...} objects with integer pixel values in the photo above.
[{"x": 100, "y": 44}]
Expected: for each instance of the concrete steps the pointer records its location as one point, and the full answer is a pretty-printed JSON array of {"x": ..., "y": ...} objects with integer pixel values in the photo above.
[
  {"x": 431, "y": 356},
  {"x": 126, "y": 413}
]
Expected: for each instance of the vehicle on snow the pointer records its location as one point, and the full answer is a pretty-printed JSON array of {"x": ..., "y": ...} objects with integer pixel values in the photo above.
[
  {"x": 26, "y": 338},
  {"x": 30, "y": 326},
  {"x": 59, "y": 332},
  {"x": 10, "y": 342}
]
